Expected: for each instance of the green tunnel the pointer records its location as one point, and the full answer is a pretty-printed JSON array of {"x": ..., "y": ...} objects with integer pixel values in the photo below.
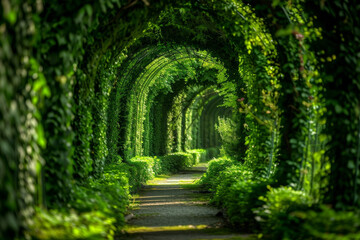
[{"x": 273, "y": 85}]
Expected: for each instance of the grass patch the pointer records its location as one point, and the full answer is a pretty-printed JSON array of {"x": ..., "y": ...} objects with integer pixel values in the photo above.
[
  {"x": 232, "y": 238},
  {"x": 157, "y": 179},
  {"x": 142, "y": 229},
  {"x": 134, "y": 204}
]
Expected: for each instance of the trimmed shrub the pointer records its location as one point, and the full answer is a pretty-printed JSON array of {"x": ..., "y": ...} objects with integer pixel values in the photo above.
[
  {"x": 174, "y": 162},
  {"x": 158, "y": 166},
  {"x": 234, "y": 190},
  {"x": 141, "y": 169},
  {"x": 216, "y": 166},
  {"x": 203, "y": 157},
  {"x": 277, "y": 216},
  {"x": 242, "y": 199},
  {"x": 198, "y": 154},
  {"x": 231, "y": 175}
]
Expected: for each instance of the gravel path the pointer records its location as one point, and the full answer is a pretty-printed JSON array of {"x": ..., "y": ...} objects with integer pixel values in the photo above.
[{"x": 169, "y": 209}]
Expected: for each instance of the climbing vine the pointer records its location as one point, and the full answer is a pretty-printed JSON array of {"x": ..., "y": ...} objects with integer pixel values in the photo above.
[{"x": 87, "y": 87}]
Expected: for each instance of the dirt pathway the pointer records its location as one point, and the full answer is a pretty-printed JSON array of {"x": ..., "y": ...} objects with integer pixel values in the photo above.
[{"x": 171, "y": 208}]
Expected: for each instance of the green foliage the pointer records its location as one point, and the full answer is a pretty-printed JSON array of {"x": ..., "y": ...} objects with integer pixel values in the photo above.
[
  {"x": 142, "y": 169},
  {"x": 199, "y": 155},
  {"x": 114, "y": 186},
  {"x": 228, "y": 133},
  {"x": 82, "y": 158},
  {"x": 242, "y": 198},
  {"x": 97, "y": 209},
  {"x": 212, "y": 153},
  {"x": 330, "y": 224},
  {"x": 108, "y": 194},
  {"x": 71, "y": 225},
  {"x": 341, "y": 101},
  {"x": 99, "y": 149},
  {"x": 210, "y": 179},
  {"x": 228, "y": 177},
  {"x": 174, "y": 122},
  {"x": 174, "y": 162},
  {"x": 23, "y": 90},
  {"x": 278, "y": 216},
  {"x": 288, "y": 214},
  {"x": 78, "y": 81},
  {"x": 200, "y": 118},
  {"x": 205, "y": 155},
  {"x": 235, "y": 190},
  {"x": 113, "y": 128}
]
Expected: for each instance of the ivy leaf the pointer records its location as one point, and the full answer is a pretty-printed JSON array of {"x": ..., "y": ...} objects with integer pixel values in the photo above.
[
  {"x": 338, "y": 108},
  {"x": 351, "y": 164}
]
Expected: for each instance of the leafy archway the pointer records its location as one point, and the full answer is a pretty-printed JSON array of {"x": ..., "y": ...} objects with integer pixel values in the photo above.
[{"x": 80, "y": 83}]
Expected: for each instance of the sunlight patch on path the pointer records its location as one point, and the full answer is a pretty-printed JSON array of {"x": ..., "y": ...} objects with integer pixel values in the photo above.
[{"x": 171, "y": 208}]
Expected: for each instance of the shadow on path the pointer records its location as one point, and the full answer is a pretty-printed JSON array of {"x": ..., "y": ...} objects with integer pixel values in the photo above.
[{"x": 172, "y": 209}]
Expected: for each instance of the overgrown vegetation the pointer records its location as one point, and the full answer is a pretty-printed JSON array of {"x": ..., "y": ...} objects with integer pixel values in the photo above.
[
  {"x": 99, "y": 205},
  {"x": 97, "y": 97},
  {"x": 271, "y": 211}
]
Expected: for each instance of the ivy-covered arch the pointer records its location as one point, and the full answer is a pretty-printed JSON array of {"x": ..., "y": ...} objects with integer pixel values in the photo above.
[
  {"x": 172, "y": 62},
  {"x": 60, "y": 61}
]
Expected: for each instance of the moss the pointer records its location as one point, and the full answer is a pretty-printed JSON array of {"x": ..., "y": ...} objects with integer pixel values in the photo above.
[{"x": 142, "y": 229}]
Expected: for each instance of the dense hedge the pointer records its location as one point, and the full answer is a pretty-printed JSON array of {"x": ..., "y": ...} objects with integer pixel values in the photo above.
[
  {"x": 251, "y": 203},
  {"x": 174, "y": 162},
  {"x": 235, "y": 189},
  {"x": 98, "y": 206},
  {"x": 142, "y": 169},
  {"x": 97, "y": 209}
]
